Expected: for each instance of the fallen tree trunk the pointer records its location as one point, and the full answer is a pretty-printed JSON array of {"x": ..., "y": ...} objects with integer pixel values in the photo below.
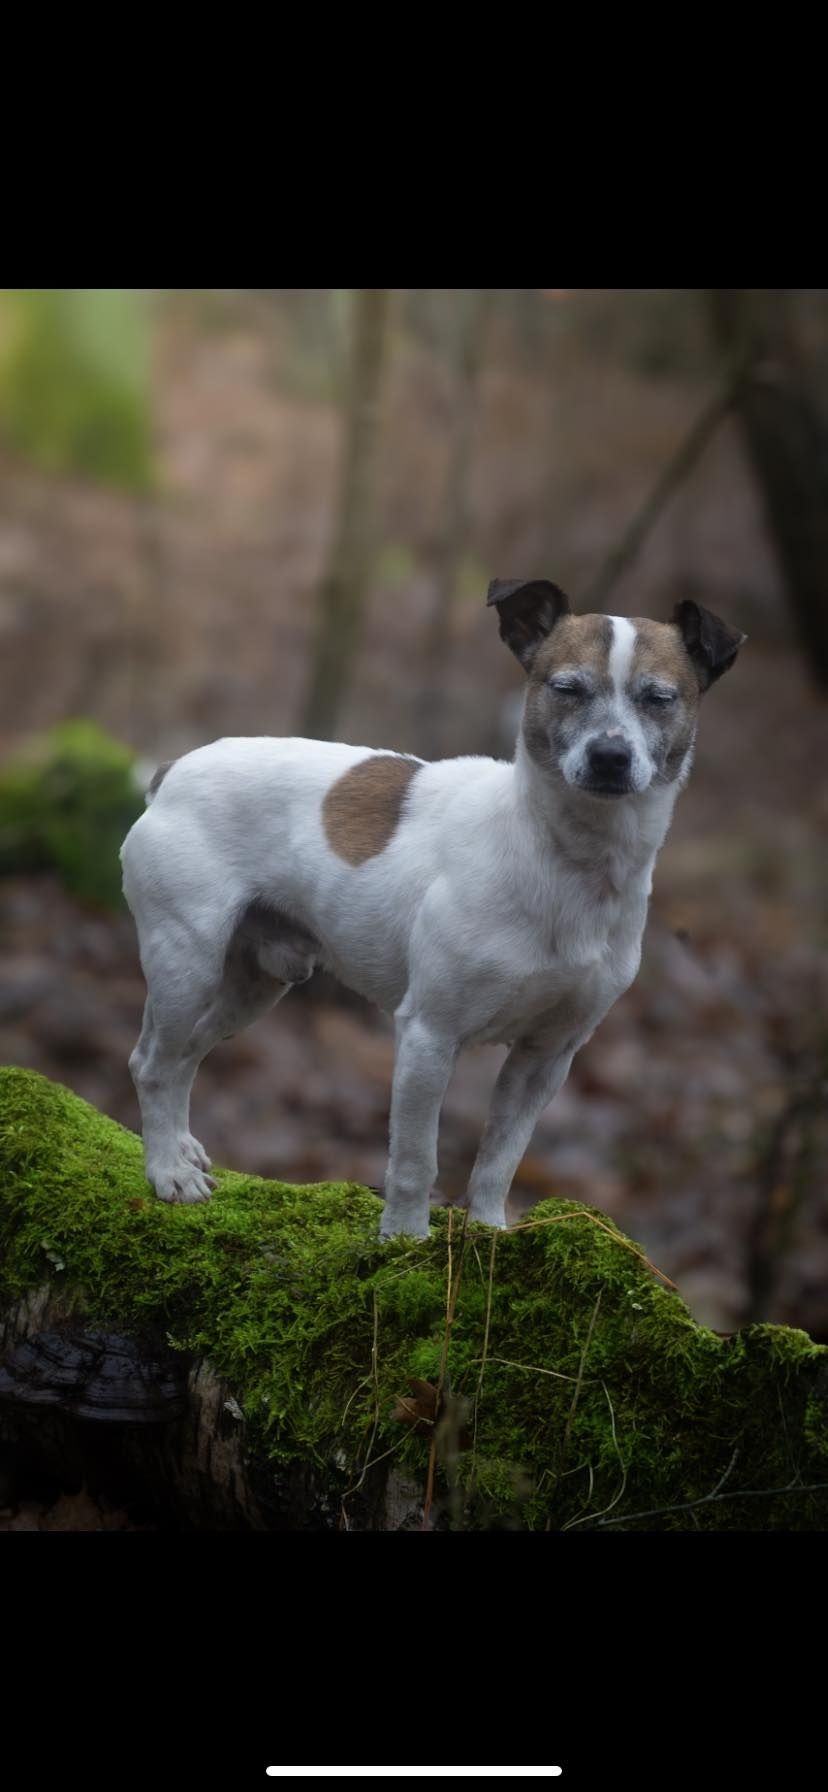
[{"x": 263, "y": 1362}]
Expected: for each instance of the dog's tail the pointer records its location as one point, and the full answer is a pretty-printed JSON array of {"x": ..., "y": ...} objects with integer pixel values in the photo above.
[{"x": 157, "y": 780}]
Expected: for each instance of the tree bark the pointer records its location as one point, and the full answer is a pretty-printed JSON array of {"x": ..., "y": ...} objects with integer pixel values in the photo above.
[
  {"x": 347, "y": 580},
  {"x": 787, "y": 445}
]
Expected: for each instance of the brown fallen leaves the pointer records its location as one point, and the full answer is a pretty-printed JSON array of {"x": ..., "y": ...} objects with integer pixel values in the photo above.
[{"x": 422, "y": 1409}]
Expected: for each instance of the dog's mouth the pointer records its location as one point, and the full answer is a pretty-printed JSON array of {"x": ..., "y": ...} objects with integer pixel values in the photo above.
[{"x": 607, "y": 787}]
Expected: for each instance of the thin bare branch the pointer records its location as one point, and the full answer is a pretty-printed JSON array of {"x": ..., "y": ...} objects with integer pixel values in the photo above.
[
  {"x": 668, "y": 482},
  {"x": 709, "y": 1499}
]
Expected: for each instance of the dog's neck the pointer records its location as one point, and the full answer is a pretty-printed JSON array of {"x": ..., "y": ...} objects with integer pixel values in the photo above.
[{"x": 618, "y": 838}]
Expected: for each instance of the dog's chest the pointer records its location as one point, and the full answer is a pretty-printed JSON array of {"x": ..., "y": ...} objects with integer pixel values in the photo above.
[{"x": 570, "y": 977}]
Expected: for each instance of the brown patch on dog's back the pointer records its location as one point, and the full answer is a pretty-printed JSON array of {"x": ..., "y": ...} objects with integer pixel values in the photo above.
[{"x": 361, "y": 811}]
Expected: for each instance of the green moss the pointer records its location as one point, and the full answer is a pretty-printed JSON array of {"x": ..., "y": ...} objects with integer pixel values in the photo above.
[
  {"x": 65, "y": 805},
  {"x": 598, "y": 1389}
]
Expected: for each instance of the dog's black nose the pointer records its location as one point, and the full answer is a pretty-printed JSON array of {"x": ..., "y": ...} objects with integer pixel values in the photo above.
[{"x": 609, "y": 758}]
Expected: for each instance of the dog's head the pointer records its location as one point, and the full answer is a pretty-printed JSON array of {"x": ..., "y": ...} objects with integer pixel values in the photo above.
[{"x": 612, "y": 703}]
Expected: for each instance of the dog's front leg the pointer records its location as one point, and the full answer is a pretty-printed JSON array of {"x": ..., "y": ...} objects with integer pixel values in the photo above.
[
  {"x": 423, "y": 1065},
  {"x": 528, "y": 1079}
]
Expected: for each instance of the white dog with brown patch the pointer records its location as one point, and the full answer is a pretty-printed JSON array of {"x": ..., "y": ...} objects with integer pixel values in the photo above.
[{"x": 474, "y": 900}]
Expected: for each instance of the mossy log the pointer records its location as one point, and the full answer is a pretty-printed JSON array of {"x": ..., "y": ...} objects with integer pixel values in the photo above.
[{"x": 265, "y": 1362}]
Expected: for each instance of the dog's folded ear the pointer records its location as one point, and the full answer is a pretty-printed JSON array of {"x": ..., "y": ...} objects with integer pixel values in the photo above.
[
  {"x": 711, "y": 644},
  {"x": 528, "y": 611}
]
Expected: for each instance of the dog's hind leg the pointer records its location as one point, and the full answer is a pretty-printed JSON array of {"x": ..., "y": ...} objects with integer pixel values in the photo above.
[
  {"x": 183, "y": 980},
  {"x": 146, "y": 1057},
  {"x": 195, "y": 1000}
]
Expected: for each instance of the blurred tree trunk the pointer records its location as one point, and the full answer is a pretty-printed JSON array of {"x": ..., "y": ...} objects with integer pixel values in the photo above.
[
  {"x": 669, "y": 481},
  {"x": 786, "y": 1179},
  {"x": 466, "y": 354},
  {"x": 787, "y": 443},
  {"x": 346, "y": 582}
]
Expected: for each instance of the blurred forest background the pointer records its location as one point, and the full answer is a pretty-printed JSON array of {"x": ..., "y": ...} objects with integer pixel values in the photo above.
[{"x": 255, "y": 511}]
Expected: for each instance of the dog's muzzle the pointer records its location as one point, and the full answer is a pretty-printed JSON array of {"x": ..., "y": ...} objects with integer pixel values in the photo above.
[{"x": 609, "y": 763}]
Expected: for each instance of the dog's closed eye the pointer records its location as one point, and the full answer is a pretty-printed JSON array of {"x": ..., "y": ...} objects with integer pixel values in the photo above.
[
  {"x": 658, "y": 694},
  {"x": 569, "y": 685}
]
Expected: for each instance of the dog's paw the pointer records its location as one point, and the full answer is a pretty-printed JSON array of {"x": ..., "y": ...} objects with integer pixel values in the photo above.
[
  {"x": 195, "y": 1153},
  {"x": 182, "y": 1183}
]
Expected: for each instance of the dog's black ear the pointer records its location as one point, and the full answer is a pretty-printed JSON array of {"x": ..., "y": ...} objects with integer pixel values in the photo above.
[
  {"x": 712, "y": 646},
  {"x": 528, "y": 610}
]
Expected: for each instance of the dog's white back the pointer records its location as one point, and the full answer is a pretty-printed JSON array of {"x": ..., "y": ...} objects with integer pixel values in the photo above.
[{"x": 472, "y": 899}]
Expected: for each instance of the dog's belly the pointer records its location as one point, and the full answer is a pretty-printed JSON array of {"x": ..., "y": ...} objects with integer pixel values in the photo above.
[
  {"x": 384, "y": 981},
  {"x": 364, "y": 933}
]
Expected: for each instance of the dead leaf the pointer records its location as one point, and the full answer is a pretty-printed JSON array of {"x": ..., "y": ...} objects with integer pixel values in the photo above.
[
  {"x": 421, "y": 1411},
  {"x": 419, "y": 1408}
]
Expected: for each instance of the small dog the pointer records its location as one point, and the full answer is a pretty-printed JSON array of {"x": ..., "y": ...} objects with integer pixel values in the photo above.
[{"x": 473, "y": 899}]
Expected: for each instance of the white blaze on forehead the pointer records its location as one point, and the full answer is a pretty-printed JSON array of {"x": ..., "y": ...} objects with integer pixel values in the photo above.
[{"x": 621, "y": 652}]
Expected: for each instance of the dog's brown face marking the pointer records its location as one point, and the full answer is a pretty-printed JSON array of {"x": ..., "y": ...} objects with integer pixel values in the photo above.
[
  {"x": 575, "y": 641},
  {"x": 361, "y": 811},
  {"x": 660, "y": 653}
]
